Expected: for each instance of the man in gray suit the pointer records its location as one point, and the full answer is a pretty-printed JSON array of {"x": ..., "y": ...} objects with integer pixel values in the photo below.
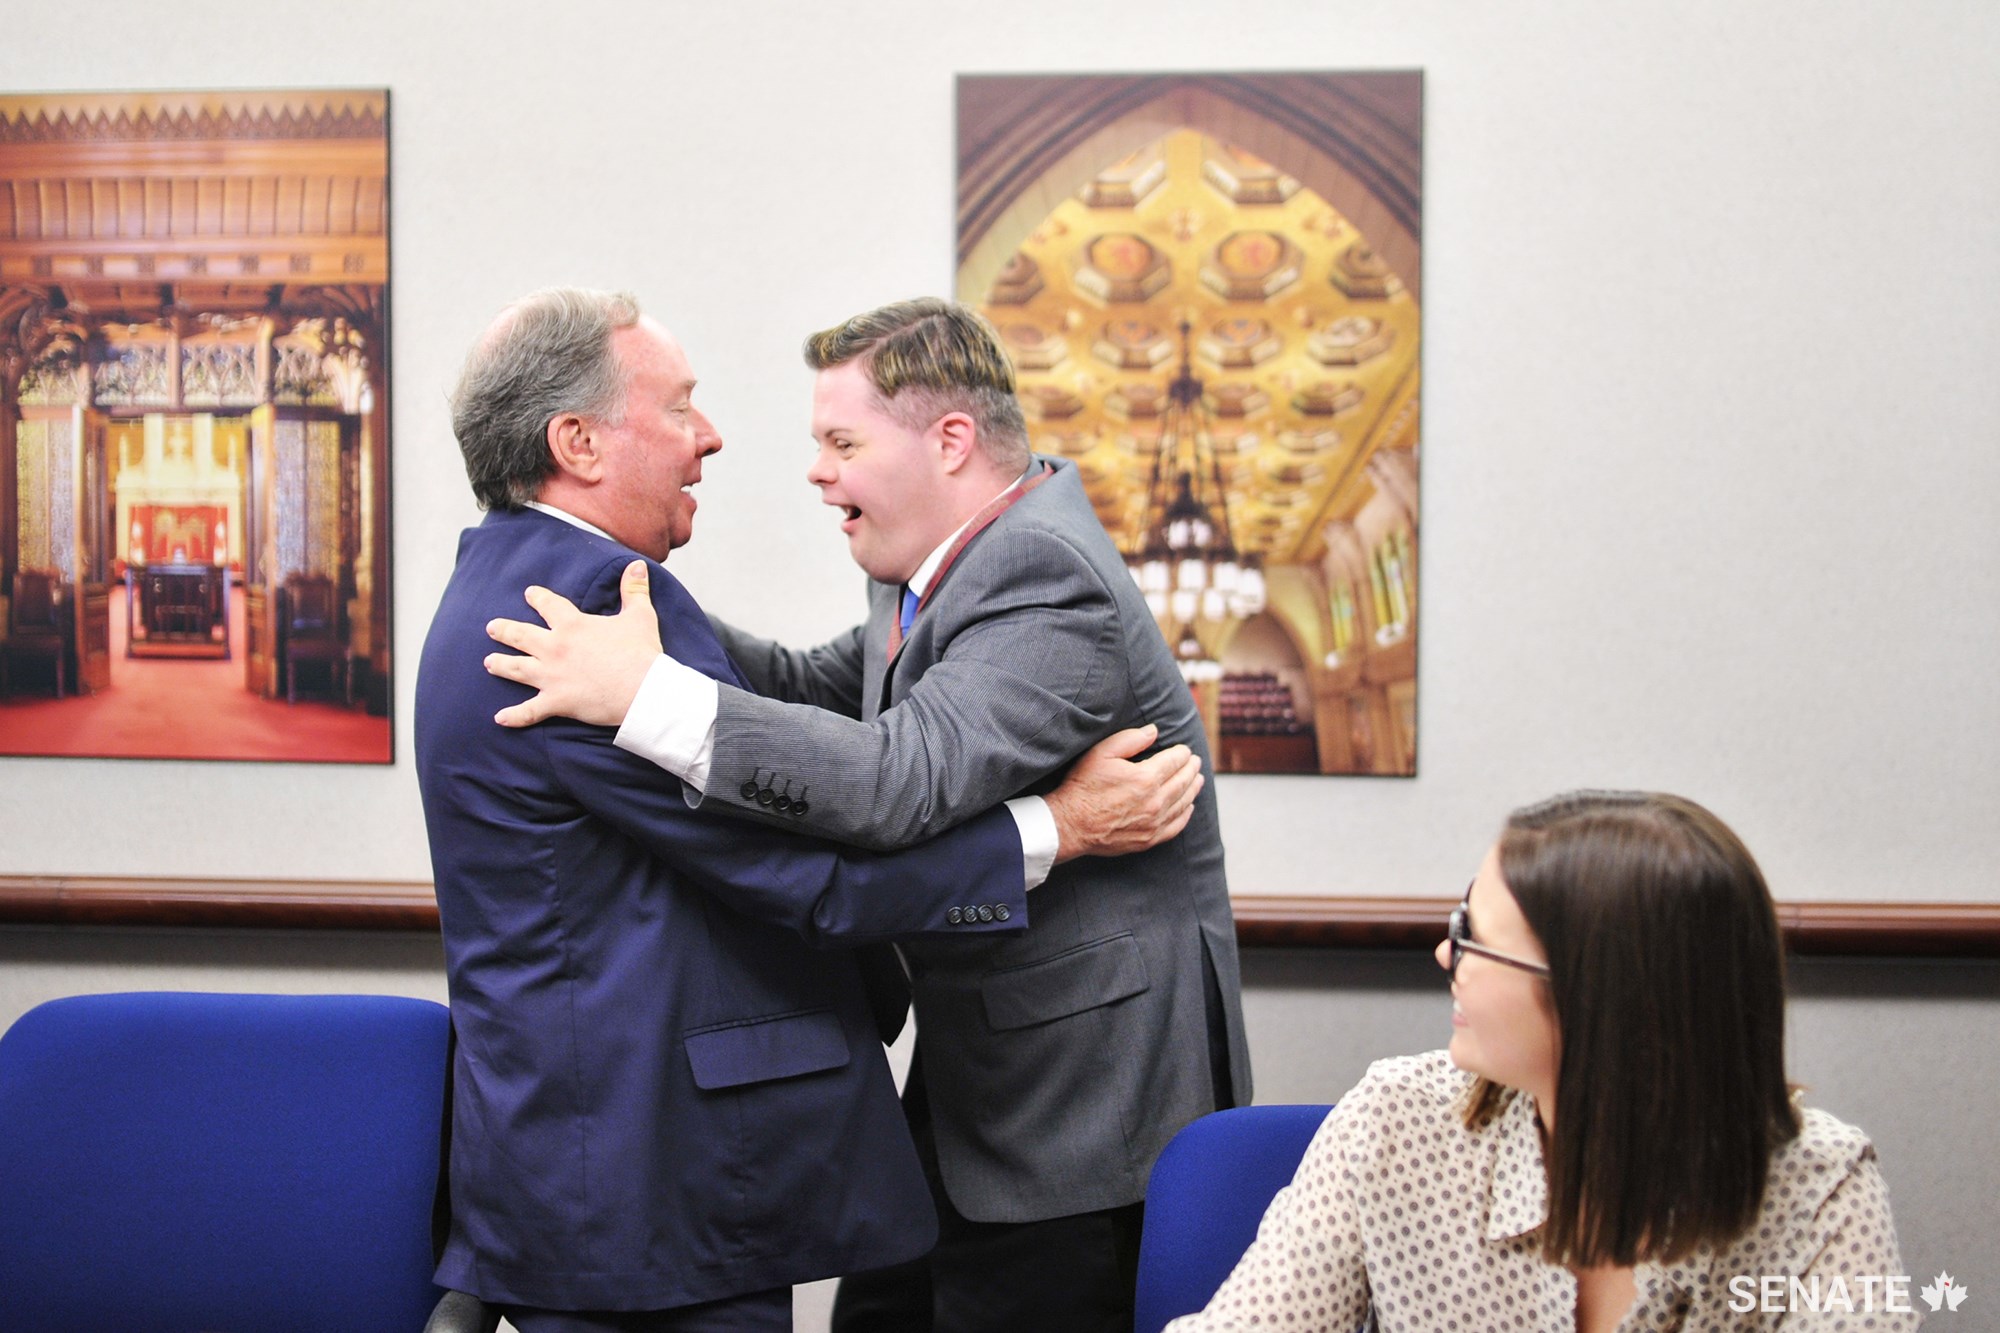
[{"x": 1004, "y": 638}]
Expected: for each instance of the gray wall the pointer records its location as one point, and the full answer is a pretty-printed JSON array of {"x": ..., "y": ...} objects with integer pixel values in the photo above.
[
  {"x": 1710, "y": 484},
  {"x": 1901, "y": 1049}
]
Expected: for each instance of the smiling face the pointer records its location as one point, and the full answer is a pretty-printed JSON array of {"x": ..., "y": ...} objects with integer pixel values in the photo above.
[
  {"x": 891, "y": 483},
  {"x": 651, "y": 457},
  {"x": 1503, "y": 1024}
]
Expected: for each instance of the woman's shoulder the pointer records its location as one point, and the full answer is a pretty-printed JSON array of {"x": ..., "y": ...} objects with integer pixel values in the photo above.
[
  {"x": 1805, "y": 1172},
  {"x": 1827, "y": 1160},
  {"x": 1826, "y": 1149},
  {"x": 1409, "y": 1105},
  {"x": 1409, "y": 1083}
]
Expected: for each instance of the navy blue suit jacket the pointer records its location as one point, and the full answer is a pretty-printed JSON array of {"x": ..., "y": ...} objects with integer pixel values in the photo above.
[{"x": 665, "y": 1093}]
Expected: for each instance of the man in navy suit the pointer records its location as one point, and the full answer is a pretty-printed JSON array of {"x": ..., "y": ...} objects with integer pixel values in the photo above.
[
  {"x": 669, "y": 1104},
  {"x": 1004, "y": 636}
]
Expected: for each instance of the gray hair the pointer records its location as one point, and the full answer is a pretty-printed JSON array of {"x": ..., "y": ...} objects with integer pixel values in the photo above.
[{"x": 549, "y": 353}]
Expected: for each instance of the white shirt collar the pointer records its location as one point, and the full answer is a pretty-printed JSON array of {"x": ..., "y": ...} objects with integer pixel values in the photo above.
[
  {"x": 920, "y": 581},
  {"x": 1517, "y": 1200},
  {"x": 572, "y": 520}
]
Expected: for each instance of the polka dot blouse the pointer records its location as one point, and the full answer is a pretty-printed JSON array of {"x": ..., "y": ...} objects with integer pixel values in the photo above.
[{"x": 1399, "y": 1210}]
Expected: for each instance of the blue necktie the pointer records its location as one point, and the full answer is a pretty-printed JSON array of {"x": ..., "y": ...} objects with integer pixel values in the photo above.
[{"x": 910, "y": 600}]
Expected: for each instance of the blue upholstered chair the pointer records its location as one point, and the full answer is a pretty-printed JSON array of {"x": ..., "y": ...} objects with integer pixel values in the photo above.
[
  {"x": 1208, "y": 1191},
  {"x": 237, "y": 1163}
]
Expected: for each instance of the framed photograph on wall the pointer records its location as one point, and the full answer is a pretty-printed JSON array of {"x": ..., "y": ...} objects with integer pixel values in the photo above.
[
  {"x": 1211, "y": 288},
  {"x": 194, "y": 425}
]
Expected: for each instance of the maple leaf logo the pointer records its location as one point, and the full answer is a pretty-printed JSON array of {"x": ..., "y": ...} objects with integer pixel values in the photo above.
[{"x": 1944, "y": 1293}]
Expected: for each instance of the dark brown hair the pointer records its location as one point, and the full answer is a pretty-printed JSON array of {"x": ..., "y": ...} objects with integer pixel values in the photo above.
[
  {"x": 929, "y": 357},
  {"x": 1666, "y": 971}
]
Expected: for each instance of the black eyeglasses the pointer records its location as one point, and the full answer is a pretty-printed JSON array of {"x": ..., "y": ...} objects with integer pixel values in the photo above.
[{"x": 1459, "y": 932}]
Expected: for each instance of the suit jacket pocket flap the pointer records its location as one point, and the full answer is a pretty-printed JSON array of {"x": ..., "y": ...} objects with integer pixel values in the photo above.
[
  {"x": 760, "y": 1049},
  {"x": 1083, "y": 978}
]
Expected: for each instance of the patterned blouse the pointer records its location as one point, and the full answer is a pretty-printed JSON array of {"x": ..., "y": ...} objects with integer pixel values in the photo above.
[{"x": 1400, "y": 1210}]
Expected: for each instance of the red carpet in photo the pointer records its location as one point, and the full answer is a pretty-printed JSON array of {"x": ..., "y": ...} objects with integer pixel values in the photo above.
[{"x": 187, "y": 708}]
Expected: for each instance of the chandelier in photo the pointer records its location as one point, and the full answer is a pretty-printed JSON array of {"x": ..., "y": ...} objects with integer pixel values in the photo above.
[{"x": 1187, "y": 563}]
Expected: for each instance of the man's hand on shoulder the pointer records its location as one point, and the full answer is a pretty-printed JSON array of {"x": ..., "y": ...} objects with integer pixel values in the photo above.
[
  {"x": 583, "y": 666},
  {"x": 1109, "y": 805}
]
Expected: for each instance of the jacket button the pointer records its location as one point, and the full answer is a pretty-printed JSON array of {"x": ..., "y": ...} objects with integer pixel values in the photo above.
[
  {"x": 1000, "y": 912},
  {"x": 749, "y": 789},
  {"x": 783, "y": 805},
  {"x": 799, "y": 808},
  {"x": 765, "y": 796},
  {"x": 955, "y": 915},
  {"x": 985, "y": 912}
]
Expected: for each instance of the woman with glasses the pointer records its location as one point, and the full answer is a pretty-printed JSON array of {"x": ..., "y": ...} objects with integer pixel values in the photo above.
[{"x": 1610, "y": 1141}]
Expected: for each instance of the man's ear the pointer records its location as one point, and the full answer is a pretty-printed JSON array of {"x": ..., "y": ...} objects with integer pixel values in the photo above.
[
  {"x": 957, "y": 439},
  {"x": 574, "y": 448}
]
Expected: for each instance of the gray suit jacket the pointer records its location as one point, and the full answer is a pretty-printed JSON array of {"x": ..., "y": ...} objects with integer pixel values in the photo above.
[{"x": 1060, "y": 1061}]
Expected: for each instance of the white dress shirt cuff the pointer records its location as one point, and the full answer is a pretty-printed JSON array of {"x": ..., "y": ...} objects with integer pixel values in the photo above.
[
  {"x": 672, "y": 721},
  {"x": 1039, "y": 839}
]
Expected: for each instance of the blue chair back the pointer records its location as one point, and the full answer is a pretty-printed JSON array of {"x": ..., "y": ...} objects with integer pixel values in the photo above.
[
  {"x": 1208, "y": 1192},
  {"x": 224, "y": 1163}
]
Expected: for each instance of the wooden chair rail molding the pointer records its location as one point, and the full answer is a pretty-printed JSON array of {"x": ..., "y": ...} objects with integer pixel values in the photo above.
[{"x": 1854, "y": 929}]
